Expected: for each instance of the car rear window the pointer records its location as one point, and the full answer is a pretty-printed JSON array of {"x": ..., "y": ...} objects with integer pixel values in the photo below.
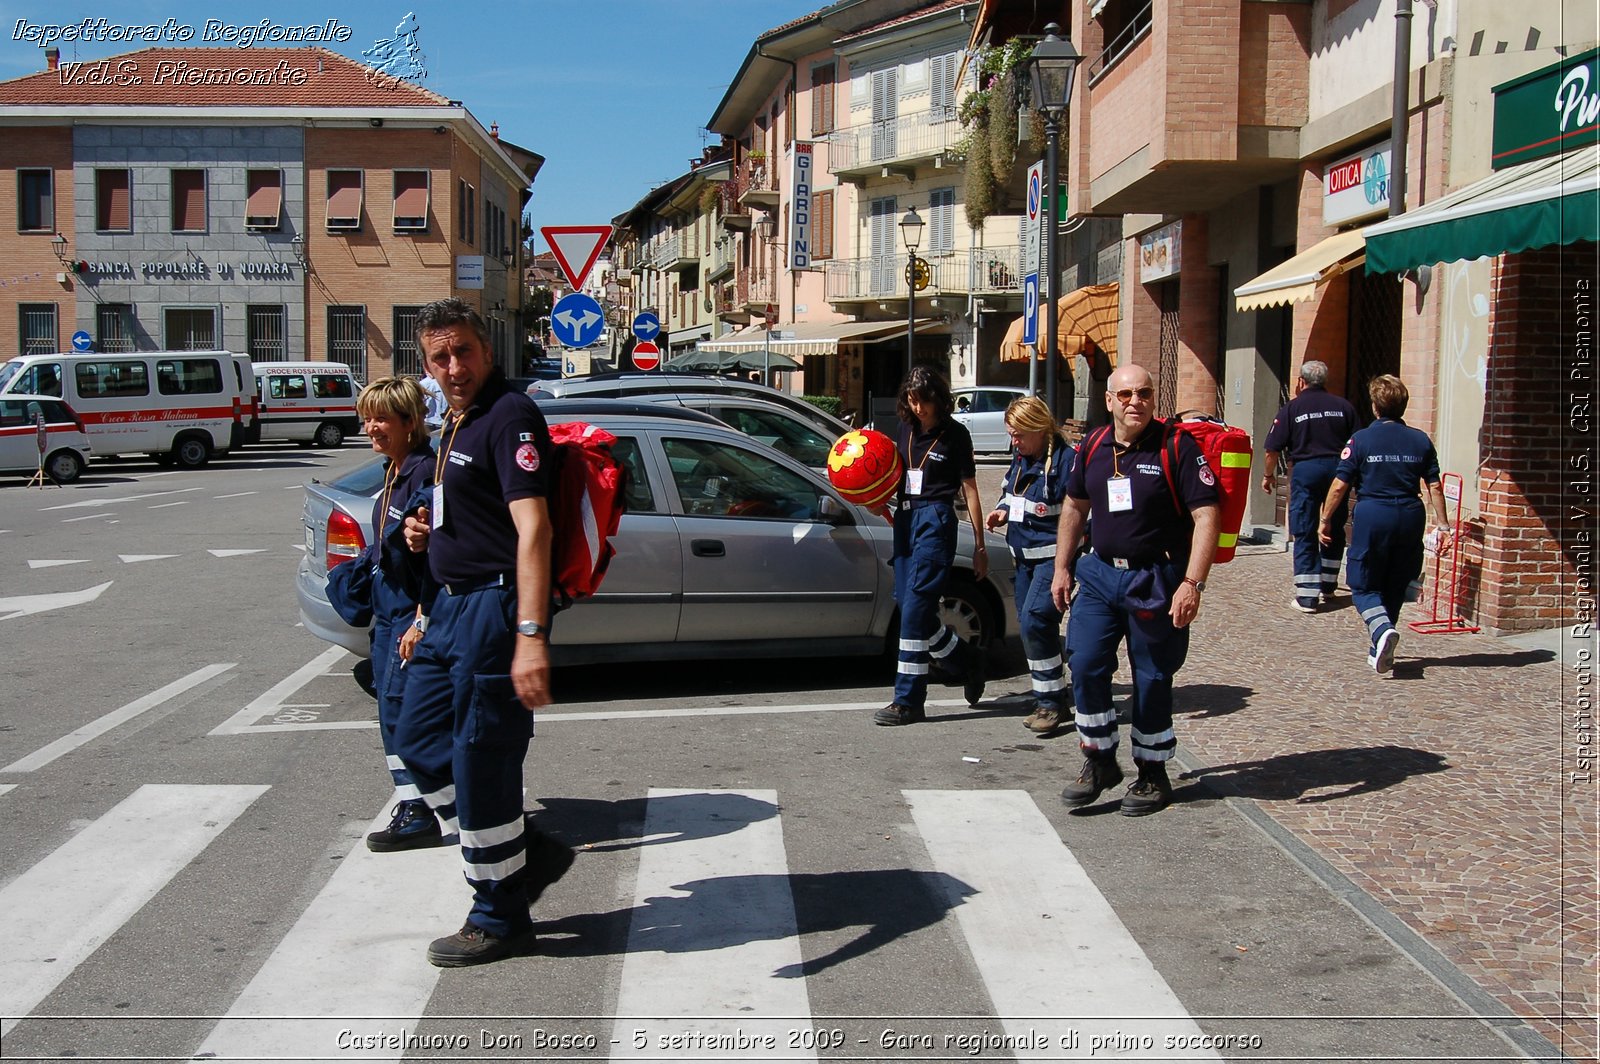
[{"x": 364, "y": 481}]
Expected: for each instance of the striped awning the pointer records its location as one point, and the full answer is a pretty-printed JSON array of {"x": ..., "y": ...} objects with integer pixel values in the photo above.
[
  {"x": 1298, "y": 277},
  {"x": 1085, "y": 315},
  {"x": 812, "y": 338}
]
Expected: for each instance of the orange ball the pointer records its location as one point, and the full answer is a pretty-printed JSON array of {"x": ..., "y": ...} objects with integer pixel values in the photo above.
[{"x": 865, "y": 467}]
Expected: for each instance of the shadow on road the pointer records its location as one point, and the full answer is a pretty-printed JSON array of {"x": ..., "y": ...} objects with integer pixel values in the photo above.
[{"x": 1357, "y": 770}]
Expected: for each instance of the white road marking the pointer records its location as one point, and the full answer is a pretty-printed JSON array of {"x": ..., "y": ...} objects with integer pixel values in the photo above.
[
  {"x": 89, "y": 517},
  {"x": 235, "y": 553},
  {"x": 51, "y": 563},
  {"x": 358, "y": 950},
  {"x": 58, "y": 912},
  {"x": 1054, "y": 956},
  {"x": 4, "y": 787},
  {"x": 22, "y": 605},
  {"x": 235, "y": 495},
  {"x": 93, "y": 503},
  {"x": 273, "y": 700},
  {"x": 164, "y": 505},
  {"x": 144, "y": 557},
  {"x": 713, "y": 926},
  {"x": 96, "y": 728}
]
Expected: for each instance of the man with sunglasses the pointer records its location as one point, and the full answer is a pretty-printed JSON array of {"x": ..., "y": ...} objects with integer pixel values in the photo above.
[{"x": 1152, "y": 540}]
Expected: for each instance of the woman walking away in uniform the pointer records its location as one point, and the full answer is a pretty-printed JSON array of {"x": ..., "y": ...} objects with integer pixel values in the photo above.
[
  {"x": 1384, "y": 463},
  {"x": 939, "y": 466},
  {"x": 392, "y": 413},
  {"x": 1030, "y": 510}
]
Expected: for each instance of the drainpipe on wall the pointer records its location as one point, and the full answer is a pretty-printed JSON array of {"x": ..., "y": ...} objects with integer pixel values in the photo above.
[{"x": 1400, "y": 124}]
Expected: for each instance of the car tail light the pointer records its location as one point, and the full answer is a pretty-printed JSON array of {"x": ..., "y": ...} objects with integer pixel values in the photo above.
[
  {"x": 345, "y": 540},
  {"x": 76, "y": 420}
]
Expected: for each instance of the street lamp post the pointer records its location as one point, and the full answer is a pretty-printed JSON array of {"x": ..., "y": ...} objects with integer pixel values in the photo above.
[
  {"x": 911, "y": 233},
  {"x": 1055, "y": 62}
]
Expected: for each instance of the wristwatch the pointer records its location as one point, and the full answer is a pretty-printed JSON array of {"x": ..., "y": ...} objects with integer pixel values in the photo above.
[
  {"x": 532, "y": 628},
  {"x": 1199, "y": 585}
]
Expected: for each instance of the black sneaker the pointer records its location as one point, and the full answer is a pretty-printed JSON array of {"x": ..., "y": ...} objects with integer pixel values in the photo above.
[
  {"x": 972, "y": 681},
  {"x": 413, "y": 827},
  {"x": 548, "y": 861},
  {"x": 894, "y": 714},
  {"x": 1150, "y": 793},
  {"x": 473, "y": 945},
  {"x": 1099, "y": 772}
]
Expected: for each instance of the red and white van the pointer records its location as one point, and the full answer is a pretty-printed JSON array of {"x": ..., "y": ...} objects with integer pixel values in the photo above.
[
  {"x": 176, "y": 406},
  {"x": 308, "y": 402}
]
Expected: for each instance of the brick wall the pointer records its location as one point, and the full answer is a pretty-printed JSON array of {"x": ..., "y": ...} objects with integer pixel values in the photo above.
[
  {"x": 1201, "y": 94},
  {"x": 1533, "y": 537},
  {"x": 1274, "y": 86},
  {"x": 28, "y": 263},
  {"x": 376, "y": 267},
  {"x": 1198, "y": 297}
]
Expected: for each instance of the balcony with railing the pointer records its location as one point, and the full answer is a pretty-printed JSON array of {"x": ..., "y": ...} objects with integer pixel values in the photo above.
[
  {"x": 722, "y": 253},
  {"x": 898, "y": 144},
  {"x": 735, "y": 212},
  {"x": 968, "y": 271},
  {"x": 760, "y": 182},
  {"x": 682, "y": 251},
  {"x": 757, "y": 291}
]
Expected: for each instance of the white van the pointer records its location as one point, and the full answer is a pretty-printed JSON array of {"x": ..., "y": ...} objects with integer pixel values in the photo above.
[
  {"x": 66, "y": 444},
  {"x": 176, "y": 406},
  {"x": 308, "y": 402}
]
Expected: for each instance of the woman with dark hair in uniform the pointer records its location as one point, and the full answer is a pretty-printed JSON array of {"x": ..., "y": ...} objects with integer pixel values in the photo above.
[
  {"x": 1385, "y": 463},
  {"x": 392, "y": 414},
  {"x": 939, "y": 467},
  {"x": 1030, "y": 510}
]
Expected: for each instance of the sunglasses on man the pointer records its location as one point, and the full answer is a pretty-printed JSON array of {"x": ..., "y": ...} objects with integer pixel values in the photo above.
[{"x": 1124, "y": 395}]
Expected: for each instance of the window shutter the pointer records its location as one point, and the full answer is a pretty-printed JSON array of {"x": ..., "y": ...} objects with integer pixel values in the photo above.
[
  {"x": 112, "y": 206},
  {"x": 824, "y": 225},
  {"x": 188, "y": 201},
  {"x": 344, "y": 199},
  {"x": 264, "y": 199},
  {"x": 411, "y": 199},
  {"x": 941, "y": 227},
  {"x": 822, "y": 99}
]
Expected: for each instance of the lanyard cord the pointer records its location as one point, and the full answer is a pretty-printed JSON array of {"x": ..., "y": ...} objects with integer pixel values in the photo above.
[
  {"x": 455, "y": 421},
  {"x": 1049, "y": 454},
  {"x": 391, "y": 477},
  {"x": 911, "y": 439}
]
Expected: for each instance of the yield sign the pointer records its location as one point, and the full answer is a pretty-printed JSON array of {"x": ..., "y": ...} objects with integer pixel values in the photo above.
[{"x": 576, "y": 244}]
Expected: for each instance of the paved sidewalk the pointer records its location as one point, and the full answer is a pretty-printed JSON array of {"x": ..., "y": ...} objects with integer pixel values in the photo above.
[{"x": 1445, "y": 793}]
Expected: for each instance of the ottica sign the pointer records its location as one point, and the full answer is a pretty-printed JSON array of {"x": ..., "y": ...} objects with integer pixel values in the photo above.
[{"x": 1356, "y": 186}]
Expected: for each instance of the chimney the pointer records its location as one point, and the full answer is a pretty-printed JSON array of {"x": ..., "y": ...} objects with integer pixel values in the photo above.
[
  {"x": 52, "y": 58},
  {"x": 494, "y": 130}
]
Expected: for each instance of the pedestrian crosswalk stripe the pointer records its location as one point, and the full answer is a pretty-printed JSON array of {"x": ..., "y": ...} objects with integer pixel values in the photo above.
[
  {"x": 359, "y": 950},
  {"x": 96, "y": 728},
  {"x": 62, "y": 909},
  {"x": 713, "y": 935},
  {"x": 4, "y": 787},
  {"x": 1057, "y": 960},
  {"x": 272, "y": 701}
]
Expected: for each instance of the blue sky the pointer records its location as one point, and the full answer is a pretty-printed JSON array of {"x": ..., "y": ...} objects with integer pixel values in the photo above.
[{"x": 613, "y": 93}]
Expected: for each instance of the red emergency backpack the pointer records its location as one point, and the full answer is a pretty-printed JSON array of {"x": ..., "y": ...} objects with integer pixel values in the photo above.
[
  {"x": 1227, "y": 451},
  {"x": 586, "y": 504}
]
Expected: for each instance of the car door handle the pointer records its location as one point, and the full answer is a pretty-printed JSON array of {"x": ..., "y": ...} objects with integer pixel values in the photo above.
[{"x": 707, "y": 548}]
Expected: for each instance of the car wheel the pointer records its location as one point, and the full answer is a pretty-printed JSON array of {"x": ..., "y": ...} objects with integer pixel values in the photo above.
[
  {"x": 329, "y": 435},
  {"x": 965, "y": 609},
  {"x": 191, "y": 452},
  {"x": 64, "y": 466}
]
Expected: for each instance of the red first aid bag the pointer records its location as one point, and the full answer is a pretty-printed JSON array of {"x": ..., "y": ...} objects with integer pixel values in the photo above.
[{"x": 586, "y": 504}]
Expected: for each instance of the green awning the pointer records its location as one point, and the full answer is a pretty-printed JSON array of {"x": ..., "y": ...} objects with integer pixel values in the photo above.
[{"x": 1532, "y": 205}]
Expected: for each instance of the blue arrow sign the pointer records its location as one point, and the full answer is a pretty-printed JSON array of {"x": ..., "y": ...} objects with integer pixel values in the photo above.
[
  {"x": 82, "y": 341},
  {"x": 577, "y": 320},
  {"x": 647, "y": 326},
  {"x": 1030, "y": 309}
]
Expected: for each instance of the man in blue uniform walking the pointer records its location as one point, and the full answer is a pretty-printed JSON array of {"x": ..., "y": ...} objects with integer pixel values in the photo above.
[
  {"x": 1386, "y": 463},
  {"x": 1152, "y": 540},
  {"x": 483, "y": 664},
  {"x": 1310, "y": 430}
]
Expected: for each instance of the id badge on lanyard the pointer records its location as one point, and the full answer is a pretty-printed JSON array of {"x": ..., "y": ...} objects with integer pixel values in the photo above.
[
  {"x": 1119, "y": 494},
  {"x": 913, "y": 482}
]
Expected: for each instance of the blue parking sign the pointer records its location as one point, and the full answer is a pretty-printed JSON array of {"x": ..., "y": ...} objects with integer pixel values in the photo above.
[{"x": 1030, "y": 309}]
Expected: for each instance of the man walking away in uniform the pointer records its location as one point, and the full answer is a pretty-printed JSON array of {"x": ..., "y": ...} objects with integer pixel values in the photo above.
[
  {"x": 1310, "y": 430},
  {"x": 1151, "y": 545},
  {"x": 483, "y": 665}
]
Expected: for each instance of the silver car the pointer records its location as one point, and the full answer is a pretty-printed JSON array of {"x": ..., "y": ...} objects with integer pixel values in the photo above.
[
  {"x": 983, "y": 412},
  {"x": 728, "y": 547},
  {"x": 688, "y": 389}
]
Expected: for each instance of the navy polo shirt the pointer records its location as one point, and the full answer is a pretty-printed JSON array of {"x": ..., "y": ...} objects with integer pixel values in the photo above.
[
  {"x": 943, "y": 453},
  {"x": 1387, "y": 460},
  {"x": 499, "y": 452},
  {"x": 1153, "y": 526},
  {"x": 416, "y": 470},
  {"x": 1314, "y": 424}
]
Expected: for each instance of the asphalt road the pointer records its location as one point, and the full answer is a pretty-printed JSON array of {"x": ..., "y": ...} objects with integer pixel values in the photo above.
[{"x": 186, "y": 776}]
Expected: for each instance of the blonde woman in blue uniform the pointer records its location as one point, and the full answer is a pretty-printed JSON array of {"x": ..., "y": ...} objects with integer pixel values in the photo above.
[{"x": 1030, "y": 511}]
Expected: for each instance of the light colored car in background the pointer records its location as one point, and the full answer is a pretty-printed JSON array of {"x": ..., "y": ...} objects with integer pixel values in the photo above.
[
  {"x": 635, "y": 384},
  {"x": 983, "y": 412},
  {"x": 728, "y": 548},
  {"x": 66, "y": 447}
]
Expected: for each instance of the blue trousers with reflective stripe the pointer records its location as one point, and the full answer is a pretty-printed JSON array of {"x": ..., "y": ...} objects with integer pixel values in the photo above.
[
  {"x": 390, "y": 680},
  {"x": 924, "y": 551},
  {"x": 1316, "y": 567},
  {"x": 1039, "y": 623},
  {"x": 1385, "y": 557},
  {"x": 1098, "y": 624},
  {"x": 464, "y": 735}
]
